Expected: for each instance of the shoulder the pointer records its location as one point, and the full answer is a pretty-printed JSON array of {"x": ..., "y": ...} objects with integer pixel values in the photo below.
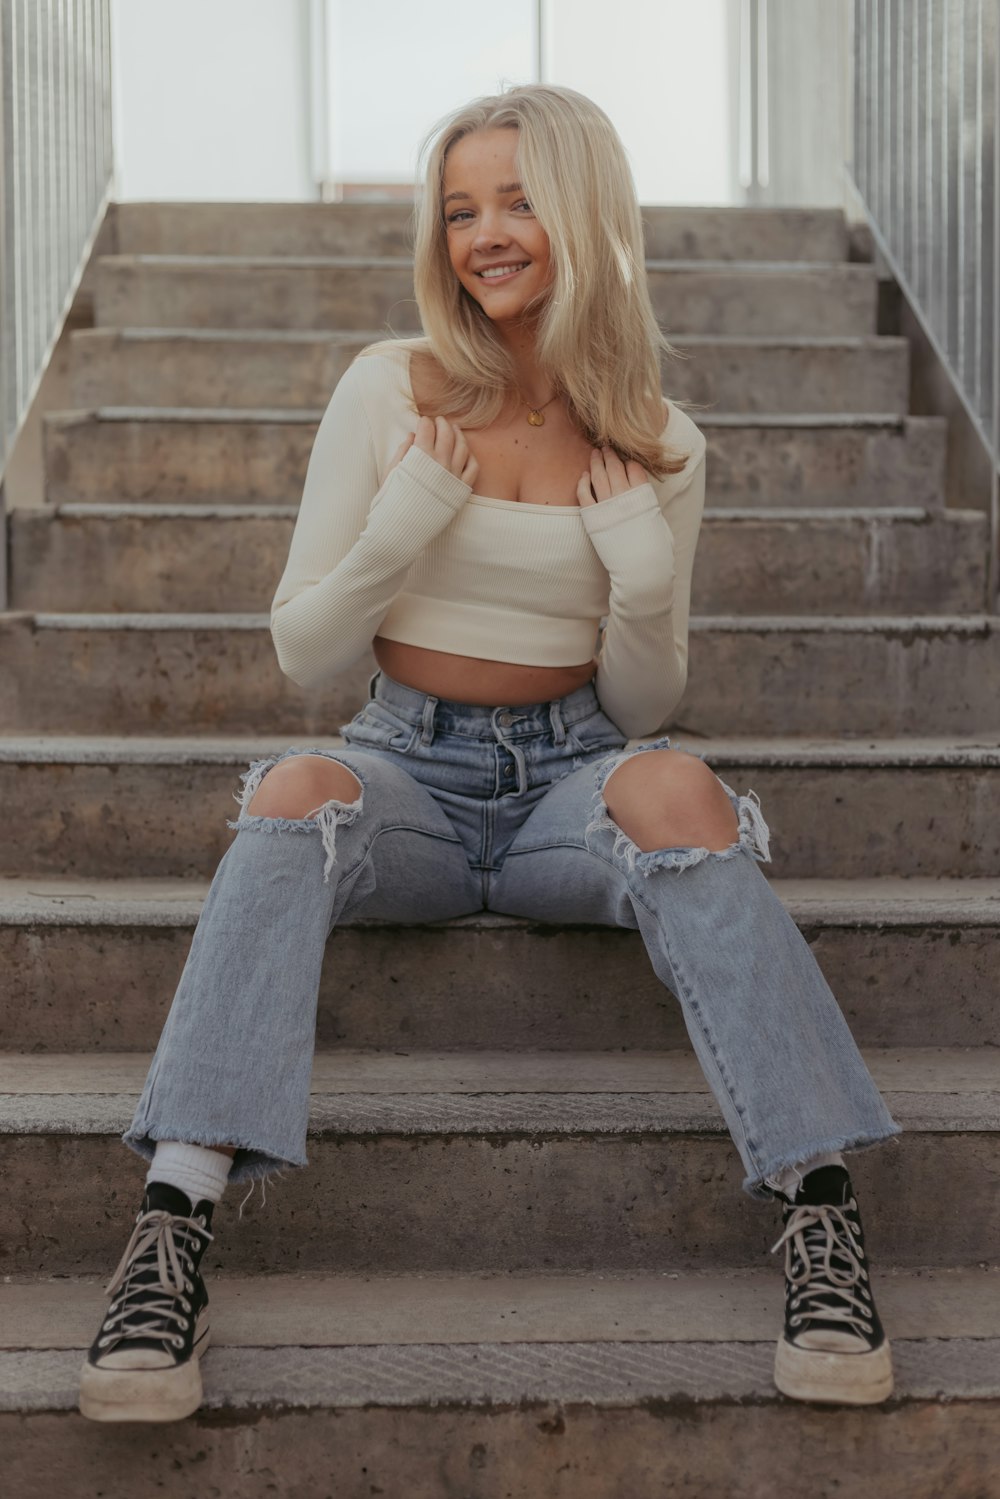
[
  {"x": 682, "y": 435},
  {"x": 373, "y": 393}
]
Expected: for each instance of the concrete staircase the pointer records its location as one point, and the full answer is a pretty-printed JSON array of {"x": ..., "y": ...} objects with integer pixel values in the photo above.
[{"x": 520, "y": 1263}]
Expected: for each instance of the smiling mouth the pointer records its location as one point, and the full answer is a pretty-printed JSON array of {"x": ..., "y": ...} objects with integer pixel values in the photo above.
[{"x": 502, "y": 272}]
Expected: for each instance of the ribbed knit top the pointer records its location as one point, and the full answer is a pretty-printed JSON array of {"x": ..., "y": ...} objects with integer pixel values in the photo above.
[{"x": 413, "y": 555}]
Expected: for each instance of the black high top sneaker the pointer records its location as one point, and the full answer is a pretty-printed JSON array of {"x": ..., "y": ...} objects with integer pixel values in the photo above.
[
  {"x": 143, "y": 1364},
  {"x": 833, "y": 1347}
]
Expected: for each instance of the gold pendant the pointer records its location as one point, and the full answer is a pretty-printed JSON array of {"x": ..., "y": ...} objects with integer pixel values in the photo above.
[{"x": 536, "y": 419}]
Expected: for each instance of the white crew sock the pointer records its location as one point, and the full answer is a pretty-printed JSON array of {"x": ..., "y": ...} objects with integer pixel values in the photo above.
[
  {"x": 789, "y": 1180},
  {"x": 194, "y": 1169}
]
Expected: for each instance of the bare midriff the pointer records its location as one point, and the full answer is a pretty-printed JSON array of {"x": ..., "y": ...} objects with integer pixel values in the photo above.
[{"x": 467, "y": 679}]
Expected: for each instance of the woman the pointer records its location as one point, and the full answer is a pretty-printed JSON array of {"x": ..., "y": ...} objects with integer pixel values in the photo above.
[{"x": 476, "y": 501}]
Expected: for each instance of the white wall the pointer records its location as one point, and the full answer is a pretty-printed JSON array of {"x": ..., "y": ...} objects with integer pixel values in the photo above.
[
  {"x": 398, "y": 66},
  {"x": 211, "y": 99},
  {"x": 660, "y": 70}
]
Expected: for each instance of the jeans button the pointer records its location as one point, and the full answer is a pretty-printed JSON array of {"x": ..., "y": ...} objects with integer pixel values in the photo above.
[
  {"x": 508, "y": 770},
  {"x": 506, "y": 720}
]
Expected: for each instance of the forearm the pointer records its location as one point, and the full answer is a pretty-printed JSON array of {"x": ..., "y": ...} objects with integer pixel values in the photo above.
[{"x": 324, "y": 626}]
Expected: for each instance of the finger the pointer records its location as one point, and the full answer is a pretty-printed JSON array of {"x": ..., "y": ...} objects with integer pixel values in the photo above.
[
  {"x": 461, "y": 454},
  {"x": 636, "y": 474},
  {"x": 424, "y": 436},
  {"x": 444, "y": 441},
  {"x": 615, "y": 470},
  {"x": 584, "y": 493},
  {"x": 470, "y": 472},
  {"x": 599, "y": 476}
]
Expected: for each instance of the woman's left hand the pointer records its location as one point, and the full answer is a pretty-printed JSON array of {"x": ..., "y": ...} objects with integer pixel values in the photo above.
[{"x": 608, "y": 476}]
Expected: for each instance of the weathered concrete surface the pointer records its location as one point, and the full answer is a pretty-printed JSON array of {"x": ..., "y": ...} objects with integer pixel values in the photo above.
[
  {"x": 383, "y": 229},
  {"x": 211, "y": 456},
  {"x": 536, "y": 1449},
  {"x": 815, "y": 461},
  {"x": 218, "y": 456},
  {"x": 183, "y": 673},
  {"x": 317, "y": 1311},
  {"x": 300, "y": 368},
  {"x": 160, "y": 815},
  {"x": 355, "y": 1083},
  {"x": 691, "y": 296},
  {"x": 160, "y": 674},
  {"x": 396, "y": 1201},
  {"x": 200, "y": 558},
  {"x": 94, "y": 965}
]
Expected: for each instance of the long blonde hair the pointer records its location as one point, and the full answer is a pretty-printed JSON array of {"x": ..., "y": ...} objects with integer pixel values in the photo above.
[{"x": 597, "y": 335}]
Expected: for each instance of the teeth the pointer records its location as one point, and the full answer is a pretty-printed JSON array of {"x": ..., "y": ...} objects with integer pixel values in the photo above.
[{"x": 502, "y": 270}]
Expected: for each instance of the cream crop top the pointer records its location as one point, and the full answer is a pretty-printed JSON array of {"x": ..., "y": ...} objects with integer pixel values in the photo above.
[{"x": 412, "y": 555}]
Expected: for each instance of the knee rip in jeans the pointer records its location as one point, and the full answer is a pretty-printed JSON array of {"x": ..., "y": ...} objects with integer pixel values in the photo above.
[
  {"x": 325, "y": 819},
  {"x": 752, "y": 836}
]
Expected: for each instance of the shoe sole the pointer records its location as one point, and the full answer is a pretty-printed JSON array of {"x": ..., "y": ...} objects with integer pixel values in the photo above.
[
  {"x": 836, "y": 1378},
  {"x": 144, "y": 1394}
]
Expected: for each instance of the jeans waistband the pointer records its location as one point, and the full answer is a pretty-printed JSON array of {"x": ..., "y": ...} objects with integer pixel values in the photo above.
[{"x": 504, "y": 721}]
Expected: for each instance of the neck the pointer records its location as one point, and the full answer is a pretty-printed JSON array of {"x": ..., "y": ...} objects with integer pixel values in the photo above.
[{"x": 534, "y": 385}]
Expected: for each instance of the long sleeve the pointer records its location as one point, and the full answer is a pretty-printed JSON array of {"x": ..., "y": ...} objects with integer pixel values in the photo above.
[
  {"x": 354, "y": 540},
  {"x": 646, "y": 539}
]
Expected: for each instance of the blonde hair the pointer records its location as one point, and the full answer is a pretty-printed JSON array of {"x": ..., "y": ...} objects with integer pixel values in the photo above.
[{"x": 597, "y": 335}]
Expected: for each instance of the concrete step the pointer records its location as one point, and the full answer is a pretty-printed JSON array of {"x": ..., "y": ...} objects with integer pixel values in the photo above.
[
  {"x": 685, "y": 233},
  {"x": 157, "y": 558},
  {"x": 489, "y": 1421},
  {"x": 110, "y": 808},
  {"x": 832, "y": 298},
  {"x": 197, "y": 455},
  {"x": 93, "y": 964},
  {"x": 454, "y": 1310},
  {"x": 500, "y": 1161},
  {"x": 236, "y": 368},
  {"x": 218, "y": 674}
]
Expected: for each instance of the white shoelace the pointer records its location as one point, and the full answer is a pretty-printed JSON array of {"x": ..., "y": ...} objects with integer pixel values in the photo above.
[
  {"x": 139, "y": 1297},
  {"x": 823, "y": 1264}
]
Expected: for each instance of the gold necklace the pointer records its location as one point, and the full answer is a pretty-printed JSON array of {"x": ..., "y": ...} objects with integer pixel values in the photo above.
[{"x": 535, "y": 417}]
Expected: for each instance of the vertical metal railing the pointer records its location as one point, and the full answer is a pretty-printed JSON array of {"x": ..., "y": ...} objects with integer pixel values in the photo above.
[
  {"x": 927, "y": 170},
  {"x": 55, "y": 181}
]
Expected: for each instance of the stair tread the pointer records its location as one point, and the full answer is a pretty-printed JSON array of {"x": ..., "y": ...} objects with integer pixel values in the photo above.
[
  {"x": 867, "y": 624},
  {"x": 858, "y": 270},
  {"x": 308, "y": 336},
  {"x": 508, "y": 1094},
  {"x": 837, "y": 515},
  {"x": 496, "y": 1375},
  {"x": 883, "y": 901},
  {"x": 236, "y": 749},
  {"x": 300, "y": 415},
  {"x": 322, "y": 1310}
]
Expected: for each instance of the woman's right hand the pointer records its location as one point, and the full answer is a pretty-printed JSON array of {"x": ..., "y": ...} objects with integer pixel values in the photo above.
[{"x": 441, "y": 440}]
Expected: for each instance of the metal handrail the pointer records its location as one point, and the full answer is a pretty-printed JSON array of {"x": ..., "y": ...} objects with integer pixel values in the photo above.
[
  {"x": 55, "y": 183},
  {"x": 926, "y": 167}
]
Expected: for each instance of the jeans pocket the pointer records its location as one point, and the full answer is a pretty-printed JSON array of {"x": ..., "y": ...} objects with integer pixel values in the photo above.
[
  {"x": 595, "y": 734},
  {"x": 375, "y": 727}
]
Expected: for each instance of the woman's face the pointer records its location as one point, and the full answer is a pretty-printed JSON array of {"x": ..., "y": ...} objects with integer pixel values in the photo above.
[{"x": 498, "y": 250}]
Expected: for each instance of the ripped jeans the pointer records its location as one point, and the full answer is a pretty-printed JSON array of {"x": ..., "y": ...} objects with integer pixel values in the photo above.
[{"x": 464, "y": 809}]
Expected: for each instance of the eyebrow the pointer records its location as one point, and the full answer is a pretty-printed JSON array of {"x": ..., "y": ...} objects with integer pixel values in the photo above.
[{"x": 505, "y": 187}]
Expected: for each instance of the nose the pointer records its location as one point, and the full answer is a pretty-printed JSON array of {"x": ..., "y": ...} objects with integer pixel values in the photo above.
[{"x": 491, "y": 232}]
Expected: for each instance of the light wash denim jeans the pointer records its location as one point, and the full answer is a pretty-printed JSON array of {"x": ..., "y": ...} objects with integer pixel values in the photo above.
[{"x": 465, "y": 809}]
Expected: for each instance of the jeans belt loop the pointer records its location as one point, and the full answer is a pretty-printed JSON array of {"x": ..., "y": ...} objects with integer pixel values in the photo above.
[
  {"x": 372, "y": 681},
  {"x": 555, "y": 719},
  {"x": 427, "y": 732}
]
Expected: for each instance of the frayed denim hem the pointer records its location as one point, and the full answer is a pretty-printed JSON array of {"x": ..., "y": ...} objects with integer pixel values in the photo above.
[
  {"x": 326, "y": 818},
  {"x": 759, "y": 1187},
  {"x": 250, "y": 1163},
  {"x": 753, "y": 834}
]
